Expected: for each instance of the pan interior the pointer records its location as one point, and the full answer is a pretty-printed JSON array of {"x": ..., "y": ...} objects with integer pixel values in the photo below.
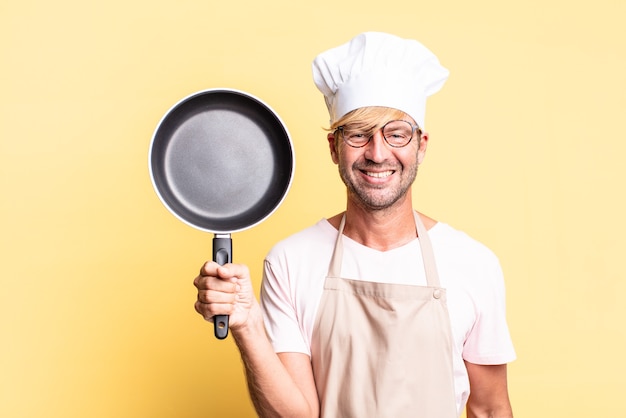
[{"x": 222, "y": 161}]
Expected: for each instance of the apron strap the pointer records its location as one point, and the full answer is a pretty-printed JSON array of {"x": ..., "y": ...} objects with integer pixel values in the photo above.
[
  {"x": 334, "y": 270},
  {"x": 430, "y": 268}
]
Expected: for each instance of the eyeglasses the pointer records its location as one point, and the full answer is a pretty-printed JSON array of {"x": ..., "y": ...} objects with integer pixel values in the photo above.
[{"x": 397, "y": 133}]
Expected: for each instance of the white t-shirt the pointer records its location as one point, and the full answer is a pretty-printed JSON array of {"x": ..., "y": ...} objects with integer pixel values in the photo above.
[{"x": 295, "y": 270}]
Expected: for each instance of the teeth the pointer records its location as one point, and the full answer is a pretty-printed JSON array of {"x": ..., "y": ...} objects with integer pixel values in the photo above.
[{"x": 379, "y": 174}]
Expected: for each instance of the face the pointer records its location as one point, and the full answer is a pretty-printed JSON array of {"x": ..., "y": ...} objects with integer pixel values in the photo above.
[{"x": 377, "y": 175}]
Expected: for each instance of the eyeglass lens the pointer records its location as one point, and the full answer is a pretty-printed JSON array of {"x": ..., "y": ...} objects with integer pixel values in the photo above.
[{"x": 397, "y": 133}]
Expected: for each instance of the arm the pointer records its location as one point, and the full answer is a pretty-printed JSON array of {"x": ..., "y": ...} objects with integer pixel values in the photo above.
[
  {"x": 280, "y": 385},
  {"x": 489, "y": 396}
]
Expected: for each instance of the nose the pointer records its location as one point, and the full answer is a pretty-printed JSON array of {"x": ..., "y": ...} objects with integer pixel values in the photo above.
[{"x": 376, "y": 149}]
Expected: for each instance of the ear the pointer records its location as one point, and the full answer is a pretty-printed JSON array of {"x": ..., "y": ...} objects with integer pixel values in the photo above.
[
  {"x": 332, "y": 145},
  {"x": 423, "y": 144}
]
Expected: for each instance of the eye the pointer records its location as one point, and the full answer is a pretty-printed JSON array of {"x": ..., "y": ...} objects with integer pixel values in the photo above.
[
  {"x": 396, "y": 134},
  {"x": 357, "y": 135}
]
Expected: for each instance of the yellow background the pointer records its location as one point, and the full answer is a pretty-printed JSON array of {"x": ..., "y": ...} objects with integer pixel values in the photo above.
[{"x": 526, "y": 155}]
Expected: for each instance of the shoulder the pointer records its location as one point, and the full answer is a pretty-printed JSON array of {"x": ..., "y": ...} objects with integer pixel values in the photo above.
[
  {"x": 448, "y": 240},
  {"x": 318, "y": 237},
  {"x": 464, "y": 262}
]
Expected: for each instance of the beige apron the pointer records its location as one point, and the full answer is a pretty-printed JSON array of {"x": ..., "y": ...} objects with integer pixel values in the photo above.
[{"x": 383, "y": 350}]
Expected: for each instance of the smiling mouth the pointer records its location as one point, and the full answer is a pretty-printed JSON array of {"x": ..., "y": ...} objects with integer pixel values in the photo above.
[{"x": 379, "y": 174}]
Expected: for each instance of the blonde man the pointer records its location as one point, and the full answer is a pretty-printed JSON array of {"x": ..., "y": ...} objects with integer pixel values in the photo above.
[{"x": 378, "y": 311}]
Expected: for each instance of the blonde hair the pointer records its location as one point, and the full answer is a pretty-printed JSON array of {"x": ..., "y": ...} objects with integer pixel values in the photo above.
[{"x": 369, "y": 118}]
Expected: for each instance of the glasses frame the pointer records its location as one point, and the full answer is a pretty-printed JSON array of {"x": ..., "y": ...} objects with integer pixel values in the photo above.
[{"x": 414, "y": 128}]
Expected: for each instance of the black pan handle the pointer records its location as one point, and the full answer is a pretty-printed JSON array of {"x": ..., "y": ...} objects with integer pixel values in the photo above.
[{"x": 222, "y": 254}]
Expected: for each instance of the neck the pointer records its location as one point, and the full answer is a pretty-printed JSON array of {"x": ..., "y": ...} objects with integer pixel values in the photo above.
[{"x": 381, "y": 229}]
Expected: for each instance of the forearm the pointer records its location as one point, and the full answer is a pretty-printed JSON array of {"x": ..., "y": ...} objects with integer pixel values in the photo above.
[
  {"x": 273, "y": 391},
  {"x": 489, "y": 396},
  {"x": 503, "y": 413}
]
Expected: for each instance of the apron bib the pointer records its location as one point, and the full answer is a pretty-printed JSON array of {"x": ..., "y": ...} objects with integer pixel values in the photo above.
[{"x": 383, "y": 350}]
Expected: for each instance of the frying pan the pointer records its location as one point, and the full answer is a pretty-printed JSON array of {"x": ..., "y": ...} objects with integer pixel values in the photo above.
[{"x": 221, "y": 161}]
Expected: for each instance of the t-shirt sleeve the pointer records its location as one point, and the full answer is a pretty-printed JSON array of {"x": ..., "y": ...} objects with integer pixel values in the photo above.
[
  {"x": 281, "y": 322},
  {"x": 489, "y": 340}
]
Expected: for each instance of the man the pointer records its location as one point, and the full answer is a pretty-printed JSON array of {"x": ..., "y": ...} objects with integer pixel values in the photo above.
[{"x": 379, "y": 311}]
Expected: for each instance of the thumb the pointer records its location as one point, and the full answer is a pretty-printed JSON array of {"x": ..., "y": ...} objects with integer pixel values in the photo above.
[{"x": 232, "y": 272}]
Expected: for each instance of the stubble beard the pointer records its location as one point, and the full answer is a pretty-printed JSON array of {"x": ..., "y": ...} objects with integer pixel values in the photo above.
[{"x": 377, "y": 198}]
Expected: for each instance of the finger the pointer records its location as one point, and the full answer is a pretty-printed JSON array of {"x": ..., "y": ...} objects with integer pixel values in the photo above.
[
  {"x": 212, "y": 269},
  {"x": 200, "y": 282},
  {"x": 204, "y": 282},
  {"x": 202, "y": 310},
  {"x": 212, "y": 296},
  {"x": 209, "y": 269},
  {"x": 208, "y": 311},
  {"x": 226, "y": 271}
]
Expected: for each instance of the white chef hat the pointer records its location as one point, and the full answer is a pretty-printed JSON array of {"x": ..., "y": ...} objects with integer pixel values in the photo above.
[{"x": 378, "y": 69}]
